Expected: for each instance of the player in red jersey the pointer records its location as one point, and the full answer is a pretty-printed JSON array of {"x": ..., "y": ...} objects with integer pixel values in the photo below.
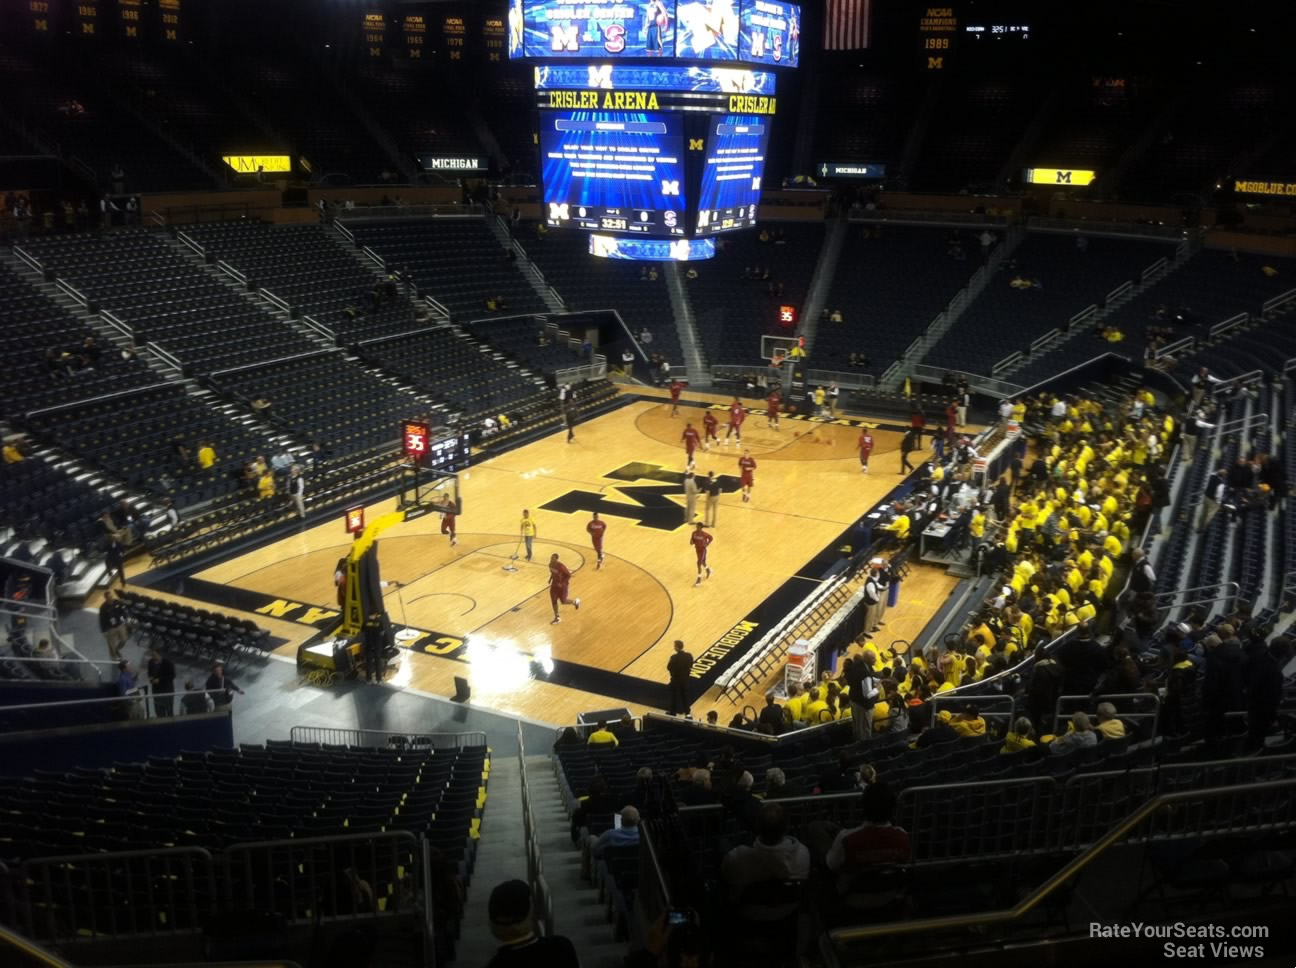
[
  {"x": 596, "y": 529},
  {"x": 775, "y": 403},
  {"x": 676, "y": 388},
  {"x": 709, "y": 427},
  {"x": 700, "y": 541},
  {"x": 691, "y": 440},
  {"x": 448, "y": 521},
  {"x": 865, "y": 447},
  {"x": 747, "y": 468},
  {"x": 737, "y": 414},
  {"x": 559, "y": 579}
]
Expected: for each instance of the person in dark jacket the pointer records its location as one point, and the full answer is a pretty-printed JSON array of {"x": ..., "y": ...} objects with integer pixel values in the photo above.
[
  {"x": 220, "y": 687},
  {"x": 678, "y": 667},
  {"x": 1045, "y": 687},
  {"x": 1264, "y": 689},
  {"x": 1083, "y": 662},
  {"x": 161, "y": 676},
  {"x": 1222, "y": 684},
  {"x": 112, "y": 623},
  {"x": 772, "y": 715}
]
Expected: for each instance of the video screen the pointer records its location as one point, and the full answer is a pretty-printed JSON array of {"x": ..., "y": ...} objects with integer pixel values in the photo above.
[
  {"x": 707, "y": 29},
  {"x": 651, "y": 250},
  {"x": 770, "y": 33},
  {"x": 731, "y": 178},
  {"x": 613, "y": 171},
  {"x": 551, "y": 28}
]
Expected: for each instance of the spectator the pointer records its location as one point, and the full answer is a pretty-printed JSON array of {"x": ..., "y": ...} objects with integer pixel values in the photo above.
[
  {"x": 1083, "y": 662},
  {"x": 697, "y": 791},
  {"x": 118, "y": 176},
  {"x": 265, "y": 484},
  {"x": 297, "y": 490},
  {"x": 112, "y": 623},
  {"x": 1264, "y": 689},
  {"x": 1020, "y": 738},
  {"x": 626, "y": 835},
  {"x": 221, "y": 688},
  {"x": 597, "y": 802},
  {"x": 161, "y": 676},
  {"x": 602, "y": 736},
  {"x": 127, "y": 682},
  {"x": 115, "y": 559},
  {"x": 1081, "y": 735},
  {"x": 968, "y": 723},
  {"x": 13, "y": 451},
  {"x": 776, "y": 785},
  {"x": 876, "y": 841},
  {"x": 773, "y": 856},
  {"x": 1222, "y": 683},
  {"x": 568, "y": 737},
  {"x": 678, "y": 667},
  {"x": 206, "y": 455},
  {"x": 741, "y": 803},
  {"x": 512, "y": 924},
  {"x": 772, "y": 715},
  {"x": 1108, "y": 725}
]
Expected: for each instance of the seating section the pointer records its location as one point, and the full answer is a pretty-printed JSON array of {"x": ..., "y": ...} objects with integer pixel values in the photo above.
[
  {"x": 516, "y": 336},
  {"x": 884, "y": 305},
  {"x": 134, "y": 436},
  {"x": 42, "y": 499},
  {"x": 307, "y": 269},
  {"x": 585, "y": 283},
  {"x": 397, "y": 98},
  {"x": 1095, "y": 120},
  {"x": 972, "y": 132},
  {"x": 168, "y": 300},
  {"x": 72, "y": 107},
  {"x": 864, "y": 116},
  {"x": 511, "y": 94},
  {"x": 205, "y": 637},
  {"x": 451, "y": 367},
  {"x": 326, "y": 398},
  {"x": 458, "y": 262},
  {"x": 733, "y": 312},
  {"x": 36, "y": 332},
  {"x": 1003, "y": 320}
]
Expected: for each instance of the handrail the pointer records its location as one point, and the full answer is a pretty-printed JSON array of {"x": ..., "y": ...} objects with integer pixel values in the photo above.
[
  {"x": 1010, "y": 359},
  {"x": 230, "y": 271},
  {"x": 1187, "y": 343},
  {"x": 1226, "y": 385},
  {"x": 1171, "y": 596},
  {"x": 344, "y": 231},
  {"x": 192, "y": 243},
  {"x": 117, "y": 323},
  {"x": 275, "y": 300},
  {"x": 1077, "y": 864},
  {"x": 1087, "y": 702},
  {"x": 1268, "y": 306},
  {"x": 655, "y": 868},
  {"x": 844, "y": 380},
  {"x": 1233, "y": 322},
  {"x": 264, "y": 363},
  {"x": 391, "y": 336},
  {"x": 469, "y": 738},
  {"x": 34, "y": 263},
  {"x": 1086, "y": 314},
  {"x": 11, "y": 939},
  {"x": 1048, "y": 337},
  {"x": 72, "y": 292},
  {"x": 27, "y": 607},
  {"x": 1119, "y": 291},
  {"x": 429, "y": 210},
  {"x": 313, "y": 323},
  {"x": 164, "y": 355},
  {"x": 140, "y": 692},
  {"x": 103, "y": 397},
  {"x": 1153, "y": 269},
  {"x": 374, "y": 257},
  {"x": 436, "y": 306}
]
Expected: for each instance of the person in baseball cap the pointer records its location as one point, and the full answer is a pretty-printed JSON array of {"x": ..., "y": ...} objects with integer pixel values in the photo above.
[{"x": 512, "y": 923}]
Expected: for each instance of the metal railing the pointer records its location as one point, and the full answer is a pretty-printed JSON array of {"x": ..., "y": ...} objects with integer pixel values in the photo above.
[
  {"x": 1014, "y": 816},
  {"x": 33, "y": 263},
  {"x": 93, "y": 664},
  {"x": 845, "y": 380},
  {"x": 1132, "y": 706},
  {"x": 133, "y": 700},
  {"x": 164, "y": 355},
  {"x": 977, "y": 381},
  {"x": 1253, "y": 808},
  {"x": 1159, "y": 266},
  {"x": 1042, "y": 341},
  {"x": 72, "y": 292},
  {"x": 995, "y": 706},
  {"x": 1224, "y": 386},
  {"x": 588, "y": 371},
  {"x": 1180, "y": 345},
  {"x": 117, "y": 323},
  {"x": 343, "y": 231},
  {"x": 235, "y": 274},
  {"x": 277, "y": 301},
  {"x": 1084, "y": 316},
  {"x": 1171, "y": 599},
  {"x": 1233, "y": 322},
  {"x": 382, "y": 739},
  {"x": 374, "y": 257},
  {"x": 436, "y": 307},
  {"x": 193, "y": 243},
  {"x": 33, "y": 952},
  {"x": 1013, "y": 358},
  {"x": 312, "y": 323},
  {"x": 1123, "y": 289},
  {"x": 1046, "y": 223},
  {"x": 1268, "y": 306},
  {"x": 904, "y": 216},
  {"x": 411, "y": 211}
]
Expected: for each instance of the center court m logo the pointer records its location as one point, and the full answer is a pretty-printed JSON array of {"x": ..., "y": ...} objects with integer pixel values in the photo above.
[{"x": 652, "y": 507}]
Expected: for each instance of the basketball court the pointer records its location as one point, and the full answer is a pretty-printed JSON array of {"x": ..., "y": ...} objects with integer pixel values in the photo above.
[{"x": 480, "y": 620}]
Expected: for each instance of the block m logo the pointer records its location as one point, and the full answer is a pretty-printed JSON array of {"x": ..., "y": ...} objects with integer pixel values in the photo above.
[
  {"x": 652, "y": 506},
  {"x": 564, "y": 38},
  {"x": 695, "y": 144},
  {"x": 933, "y": 63},
  {"x": 1064, "y": 178}
]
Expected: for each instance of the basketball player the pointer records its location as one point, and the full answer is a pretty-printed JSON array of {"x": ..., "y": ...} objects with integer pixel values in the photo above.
[
  {"x": 737, "y": 414},
  {"x": 675, "y": 389},
  {"x": 596, "y": 529},
  {"x": 559, "y": 582},
  {"x": 774, "y": 403},
  {"x": 691, "y": 439},
  {"x": 709, "y": 427},
  {"x": 747, "y": 468},
  {"x": 865, "y": 446},
  {"x": 658, "y": 19},
  {"x": 448, "y": 518},
  {"x": 700, "y": 541}
]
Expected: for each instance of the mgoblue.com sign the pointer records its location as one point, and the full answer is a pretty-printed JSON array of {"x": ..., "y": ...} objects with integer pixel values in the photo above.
[{"x": 438, "y": 163}]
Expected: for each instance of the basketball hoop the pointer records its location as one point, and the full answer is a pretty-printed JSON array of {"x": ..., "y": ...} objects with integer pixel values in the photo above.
[{"x": 778, "y": 358}]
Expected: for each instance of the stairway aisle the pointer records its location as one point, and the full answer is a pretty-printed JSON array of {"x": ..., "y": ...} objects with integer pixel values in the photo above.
[
  {"x": 578, "y": 913},
  {"x": 501, "y": 856}
]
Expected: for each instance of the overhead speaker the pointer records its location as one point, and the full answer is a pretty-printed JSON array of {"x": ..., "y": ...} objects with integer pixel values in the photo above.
[{"x": 462, "y": 692}]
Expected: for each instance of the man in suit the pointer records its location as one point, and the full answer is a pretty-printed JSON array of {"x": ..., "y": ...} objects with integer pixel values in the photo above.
[
  {"x": 161, "y": 675},
  {"x": 678, "y": 668},
  {"x": 220, "y": 687}
]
